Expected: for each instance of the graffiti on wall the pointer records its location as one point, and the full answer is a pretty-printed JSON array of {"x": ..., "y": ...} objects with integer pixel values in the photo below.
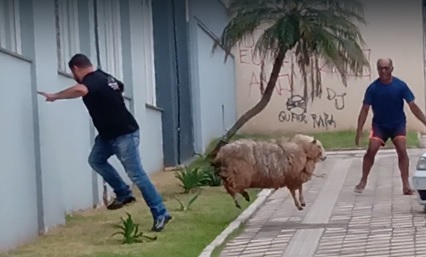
[
  {"x": 247, "y": 57},
  {"x": 296, "y": 112},
  {"x": 338, "y": 99},
  {"x": 366, "y": 73},
  {"x": 294, "y": 102},
  {"x": 282, "y": 86}
]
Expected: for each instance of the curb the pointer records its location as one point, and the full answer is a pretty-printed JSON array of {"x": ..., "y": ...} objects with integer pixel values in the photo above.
[{"x": 241, "y": 219}]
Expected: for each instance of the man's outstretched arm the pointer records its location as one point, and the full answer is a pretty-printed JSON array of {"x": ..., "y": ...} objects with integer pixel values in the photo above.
[
  {"x": 417, "y": 112},
  {"x": 410, "y": 99},
  {"x": 76, "y": 91}
]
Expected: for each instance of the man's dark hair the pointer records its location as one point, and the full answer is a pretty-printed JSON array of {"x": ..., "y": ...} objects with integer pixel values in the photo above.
[{"x": 80, "y": 60}]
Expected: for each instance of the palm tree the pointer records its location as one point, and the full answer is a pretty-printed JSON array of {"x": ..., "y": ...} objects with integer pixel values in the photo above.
[{"x": 313, "y": 30}]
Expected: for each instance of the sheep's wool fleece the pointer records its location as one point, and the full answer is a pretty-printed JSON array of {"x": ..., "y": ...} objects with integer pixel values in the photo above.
[{"x": 250, "y": 163}]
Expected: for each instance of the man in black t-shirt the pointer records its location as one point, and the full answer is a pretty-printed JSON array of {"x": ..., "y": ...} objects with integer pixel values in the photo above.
[{"x": 118, "y": 135}]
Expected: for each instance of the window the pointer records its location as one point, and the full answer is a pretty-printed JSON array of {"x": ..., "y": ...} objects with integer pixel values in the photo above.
[
  {"x": 110, "y": 25},
  {"x": 148, "y": 46},
  {"x": 67, "y": 32},
  {"x": 10, "y": 27}
]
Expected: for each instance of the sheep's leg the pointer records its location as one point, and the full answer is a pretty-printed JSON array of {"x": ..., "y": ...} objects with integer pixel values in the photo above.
[
  {"x": 237, "y": 204},
  {"x": 301, "y": 198},
  {"x": 296, "y": 202},
  {"x": 245, "y": 195},
  {"x": 233, "y": 195}
]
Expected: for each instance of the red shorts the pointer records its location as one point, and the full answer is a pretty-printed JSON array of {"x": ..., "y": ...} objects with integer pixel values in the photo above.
[{"x": 383, "y": 134}]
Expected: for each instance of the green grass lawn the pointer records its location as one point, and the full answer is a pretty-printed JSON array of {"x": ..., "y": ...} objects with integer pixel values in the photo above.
[{"x": 88, "y": 233}]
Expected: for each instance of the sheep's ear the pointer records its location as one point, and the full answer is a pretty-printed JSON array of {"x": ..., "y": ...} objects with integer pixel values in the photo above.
[{"x": 314, "y": 141}]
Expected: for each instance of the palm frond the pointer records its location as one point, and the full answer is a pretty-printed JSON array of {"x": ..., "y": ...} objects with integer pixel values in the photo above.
[{"x": 315, "y": 30}]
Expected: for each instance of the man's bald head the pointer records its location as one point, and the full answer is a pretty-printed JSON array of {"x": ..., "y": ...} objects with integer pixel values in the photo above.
[
  {"x": 385, "y": 68},
  {"x": 384, "y": 62}
]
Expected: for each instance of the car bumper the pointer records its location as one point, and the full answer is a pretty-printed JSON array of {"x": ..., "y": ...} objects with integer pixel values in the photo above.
[{"x": 419, "y": 184}]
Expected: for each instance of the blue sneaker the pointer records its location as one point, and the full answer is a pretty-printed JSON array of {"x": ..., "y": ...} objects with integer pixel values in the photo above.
[
  {"x": 161, "y": 223},
  {"x": 116, "y": 204}
]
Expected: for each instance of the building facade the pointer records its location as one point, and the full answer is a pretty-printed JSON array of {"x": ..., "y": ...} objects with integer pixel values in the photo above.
[
  {"x": 196, "y": 89},
  {"x": 45, "y": 146},
  {"x": 395, "y": 32}
]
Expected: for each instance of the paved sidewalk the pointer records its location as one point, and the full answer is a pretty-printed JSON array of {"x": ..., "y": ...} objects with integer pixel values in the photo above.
[{"x": 337, "y": 222}]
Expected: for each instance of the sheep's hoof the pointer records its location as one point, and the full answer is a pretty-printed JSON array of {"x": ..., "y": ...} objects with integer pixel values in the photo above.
[
  {"x": 300, "y": 208},
  {"x": 237, "y": 204},
  {"x": 246, "y": 196},
  {"x": 303, "y": 204}
]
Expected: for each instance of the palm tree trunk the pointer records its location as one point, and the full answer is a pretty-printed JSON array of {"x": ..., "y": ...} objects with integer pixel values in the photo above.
[{"x": 266, "y": 97}]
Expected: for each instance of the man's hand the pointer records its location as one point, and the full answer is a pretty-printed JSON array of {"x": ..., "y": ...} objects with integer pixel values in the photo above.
[
  {"x": 358, "y": 136},
  {"x": 49, "y": 97},
  {"x": 418, "y": 113}
]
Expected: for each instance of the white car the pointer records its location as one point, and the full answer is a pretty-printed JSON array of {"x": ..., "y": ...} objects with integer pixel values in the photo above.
[{"x": 419, "y": 180}]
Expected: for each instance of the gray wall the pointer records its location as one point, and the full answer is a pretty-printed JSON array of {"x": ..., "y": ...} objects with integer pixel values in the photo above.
[
  {"x": 18, "y": 216},
  {"x": 45, "y": 146},
  {"x": 213, "y": 81}
]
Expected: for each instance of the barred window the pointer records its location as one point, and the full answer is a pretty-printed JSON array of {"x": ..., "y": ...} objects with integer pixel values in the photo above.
[
  {"x": 10, "y": 26},
  {"x": 111, "y": 37},
  {"x": 148, "y": 44},
  {"x": 67, "y": 32}
]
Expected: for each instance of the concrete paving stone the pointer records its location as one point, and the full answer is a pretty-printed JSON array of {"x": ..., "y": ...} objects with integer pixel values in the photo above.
[
  {"x": 352, "y": 254},
  {"x": 382, "y": 254},
  {"x": 256, "y": 249},
  {"x": 329, "y": 248},
  {"x": 248, "y": 254},
  {"x": 401, "y": 254},
  {"x": 378, "y": 244},
  {"x": 226, "y": 254},
  {"x": 275, "y": 249}
]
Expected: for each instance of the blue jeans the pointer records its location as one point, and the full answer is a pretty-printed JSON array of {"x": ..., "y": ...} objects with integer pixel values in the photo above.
[{"x": 126, "y": 149}]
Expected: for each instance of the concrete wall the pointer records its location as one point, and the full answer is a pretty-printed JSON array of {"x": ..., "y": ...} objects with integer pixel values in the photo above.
[
  {"x": 45, "y": 146},
  {"x": 18, "y": 217},
  {"x": 396, "y": 33},
  {"x": 213, "y": 81}
]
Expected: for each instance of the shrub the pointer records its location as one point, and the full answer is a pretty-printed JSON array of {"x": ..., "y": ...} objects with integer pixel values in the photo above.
[
  {"x": 210, "y": 178},
  {"x": 185, "y": 207},
  {"x": 190, "y": 179},
  {"x": 130, "y": 231}
]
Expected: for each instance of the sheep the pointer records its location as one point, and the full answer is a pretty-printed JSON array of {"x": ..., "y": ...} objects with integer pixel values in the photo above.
[{"x": 277, "y": 163}]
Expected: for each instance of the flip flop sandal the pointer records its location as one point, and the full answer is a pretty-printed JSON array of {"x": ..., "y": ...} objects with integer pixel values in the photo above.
[
  {"x": 409, "y": 192},
  {"x": 358, "y": 189}
]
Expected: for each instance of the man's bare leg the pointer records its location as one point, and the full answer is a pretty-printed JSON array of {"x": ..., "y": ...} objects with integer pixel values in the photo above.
[
  {"x": 373, "y": 147},
  {"x": 400, "y": 144}
]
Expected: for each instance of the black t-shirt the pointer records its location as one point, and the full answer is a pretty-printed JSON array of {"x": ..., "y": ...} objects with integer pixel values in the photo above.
[{"x": 106, "y": 106}]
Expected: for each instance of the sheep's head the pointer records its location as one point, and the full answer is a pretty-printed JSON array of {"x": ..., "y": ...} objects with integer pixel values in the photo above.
[
  {"x": 312, "y": 147},
  {"x": 318, "y": 153}
]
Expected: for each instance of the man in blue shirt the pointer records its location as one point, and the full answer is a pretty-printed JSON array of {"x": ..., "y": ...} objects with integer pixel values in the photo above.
[{"x": 386, "y": 97}]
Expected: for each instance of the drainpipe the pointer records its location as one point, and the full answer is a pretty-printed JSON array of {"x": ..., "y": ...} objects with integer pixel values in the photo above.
[
  {"x": 98, "y": 60},
  {"x": 95, "y": 11}
]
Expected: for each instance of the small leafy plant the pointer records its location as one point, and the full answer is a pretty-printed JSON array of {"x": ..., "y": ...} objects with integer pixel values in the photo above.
[
  {"x": 130, "y": 231},
  {"x": 210, "y": 178},
  {"x": 190, "y": 179},
  {"x": 185, "y": 207}
]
